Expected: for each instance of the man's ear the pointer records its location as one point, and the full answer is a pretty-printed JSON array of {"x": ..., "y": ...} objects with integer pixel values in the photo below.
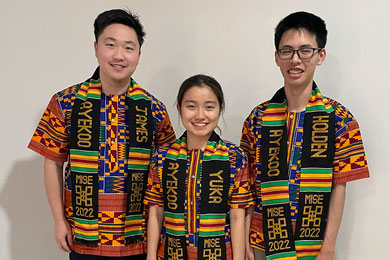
[
  {"x": 277, "y": 58},
  {"x": 322, "y": 56},
  {"x": 95, "y": 48},
  {"x": 139, "y": 56}
]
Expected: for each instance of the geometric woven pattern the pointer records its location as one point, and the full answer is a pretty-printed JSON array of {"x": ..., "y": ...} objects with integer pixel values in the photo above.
[
  {"x": 350, "y": 152},
  {"x": 113, "y": 184},
  {"x": 111, "y": 138},
  {"x": 49, "y": 133},
  {"x": 111, "y": 226}
]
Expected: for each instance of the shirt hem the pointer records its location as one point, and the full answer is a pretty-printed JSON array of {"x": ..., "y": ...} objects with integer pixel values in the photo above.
[
  {"x": 38, "y": 148},
  {"x": 353, "y": 175},
  {"x": 111, "y": 251}
]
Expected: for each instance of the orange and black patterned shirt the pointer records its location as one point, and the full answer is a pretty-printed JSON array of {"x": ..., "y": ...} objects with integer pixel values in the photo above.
[{"x": 51, "y": 139}]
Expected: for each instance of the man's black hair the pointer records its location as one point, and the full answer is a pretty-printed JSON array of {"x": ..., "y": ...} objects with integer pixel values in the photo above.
[
  {"x": 305, "y": 21},
  {"x": 120, "y": 16}
]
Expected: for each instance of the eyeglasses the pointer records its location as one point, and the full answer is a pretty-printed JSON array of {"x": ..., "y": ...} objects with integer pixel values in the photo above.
[{"x": 303, "y": 53}]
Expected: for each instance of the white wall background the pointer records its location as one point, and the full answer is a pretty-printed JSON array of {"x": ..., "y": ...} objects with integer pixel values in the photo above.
[{"x": 47, "y": 45}]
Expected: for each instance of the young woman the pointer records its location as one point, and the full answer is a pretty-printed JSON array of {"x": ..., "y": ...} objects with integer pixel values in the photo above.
[{"x": 197, "y": 187}]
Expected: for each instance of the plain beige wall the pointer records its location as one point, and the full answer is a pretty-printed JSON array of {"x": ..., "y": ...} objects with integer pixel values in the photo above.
[{"x": 47, "y": 45}]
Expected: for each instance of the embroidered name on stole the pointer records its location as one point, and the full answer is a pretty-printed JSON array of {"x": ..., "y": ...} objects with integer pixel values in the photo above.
[
  {"x": 213, "y": 207},
  {"x": 316, "y": 182},
  {"x": 278, "y": 235},
  {"x": 141, "y": 140},
  {"x": 84, "y": 146},
  {"x": 174, "y": 178},
  {"x": 316, "y": 179}
]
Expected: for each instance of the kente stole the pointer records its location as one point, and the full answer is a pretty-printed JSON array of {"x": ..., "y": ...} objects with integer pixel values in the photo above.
[
  {"x": 214, "y": 174},
  {"x": 315, "y": 181},
  {"x": 85, "y": 136}
]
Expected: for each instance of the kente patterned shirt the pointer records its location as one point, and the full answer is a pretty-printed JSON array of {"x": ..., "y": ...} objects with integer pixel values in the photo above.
[
  {"x": 51, "y": 139},
  {"x": 349, "y": 161},
  {"x": 239, "y": 194}
]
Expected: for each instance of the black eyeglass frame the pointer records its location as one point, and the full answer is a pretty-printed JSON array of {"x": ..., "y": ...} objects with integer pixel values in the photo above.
[{"x": 297, "y": 51}]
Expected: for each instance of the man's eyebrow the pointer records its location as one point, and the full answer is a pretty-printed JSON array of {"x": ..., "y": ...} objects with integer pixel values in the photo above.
[
  {"x": 113, "y": 39},
  {"x": 109, "y": 39},
  {"x": 130, "y": 42},
  {"x": 306, "y": 46},
  {"x": 302, "y": 46}
]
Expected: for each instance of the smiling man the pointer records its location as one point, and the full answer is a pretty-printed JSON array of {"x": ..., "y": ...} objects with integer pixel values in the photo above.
[
  {"x": 303, "y": 147},
  {"x": 105, "y": 129}
]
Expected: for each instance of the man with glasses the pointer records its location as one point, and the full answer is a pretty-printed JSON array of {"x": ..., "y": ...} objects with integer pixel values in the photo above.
[{"x": 302, "y": 147}]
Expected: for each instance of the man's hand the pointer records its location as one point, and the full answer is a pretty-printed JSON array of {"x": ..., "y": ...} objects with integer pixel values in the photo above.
[{"x": 63, "y": 235}]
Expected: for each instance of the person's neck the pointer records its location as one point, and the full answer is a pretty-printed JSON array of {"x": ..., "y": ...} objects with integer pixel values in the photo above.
[
  {"x": 112, "y": 87},
  {"x": 298, "y": 97},
  {"x": 197, "y": 142}
]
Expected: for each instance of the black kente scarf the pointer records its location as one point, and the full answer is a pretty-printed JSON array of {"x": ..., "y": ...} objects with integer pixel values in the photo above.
[
  {"x": 315, "y": 182},
  {"x": 215, "y": 181},
  {"x": 85, "y": 136}
]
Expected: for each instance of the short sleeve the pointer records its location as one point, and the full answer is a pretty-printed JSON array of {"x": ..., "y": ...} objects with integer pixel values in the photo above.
[
  {"x": 154, "y": 191},
  {"x": 165, "y": 132},
  {"x": 248, "y": 142},
  {"x": 242, "y": 195},
  {"x": 248, "y": 145},
  {"x": 51, "y": 138},
  {"x": 350, "y": 161}
]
